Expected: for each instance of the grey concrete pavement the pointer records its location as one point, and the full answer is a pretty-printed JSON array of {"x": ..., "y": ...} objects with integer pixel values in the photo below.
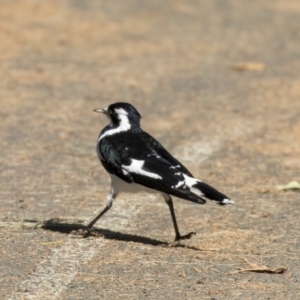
[{"x": 217, "y": 82}]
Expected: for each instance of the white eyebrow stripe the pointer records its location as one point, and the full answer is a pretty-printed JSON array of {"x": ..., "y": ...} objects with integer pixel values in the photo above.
[
  {"x": 136, "y": 167},
  {"x": 121, "y": 111}
]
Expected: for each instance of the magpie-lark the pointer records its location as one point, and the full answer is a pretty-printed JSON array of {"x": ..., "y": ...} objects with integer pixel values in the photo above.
[{"x": 137, "y": 162}]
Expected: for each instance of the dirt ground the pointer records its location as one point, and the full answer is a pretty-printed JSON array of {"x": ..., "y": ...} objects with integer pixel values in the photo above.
[{"x": 217, "y": 82}]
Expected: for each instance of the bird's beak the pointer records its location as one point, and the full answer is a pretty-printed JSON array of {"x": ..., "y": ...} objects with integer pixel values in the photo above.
[{"x": 101, "y": 110}]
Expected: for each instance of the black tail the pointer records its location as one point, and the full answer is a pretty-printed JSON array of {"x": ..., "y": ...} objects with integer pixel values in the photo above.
[{"x": 211, "y": 193}]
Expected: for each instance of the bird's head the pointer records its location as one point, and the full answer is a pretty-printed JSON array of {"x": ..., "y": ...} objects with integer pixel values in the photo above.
[{"x": 121, "y": 112}]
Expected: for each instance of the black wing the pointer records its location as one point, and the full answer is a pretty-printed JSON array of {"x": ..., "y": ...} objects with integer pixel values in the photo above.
[
  {"x": 160, "y": 150},
  {"x": 157, "y": 173},
  {"x": 141, "y": 159},
  {"x": 111, "y": 159}
]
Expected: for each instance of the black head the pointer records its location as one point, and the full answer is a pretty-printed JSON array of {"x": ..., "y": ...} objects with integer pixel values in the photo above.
[{"x": 121, "y": 112}]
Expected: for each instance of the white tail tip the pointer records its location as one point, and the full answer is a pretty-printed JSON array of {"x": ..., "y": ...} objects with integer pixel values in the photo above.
[{"x": 227, "y": 201}]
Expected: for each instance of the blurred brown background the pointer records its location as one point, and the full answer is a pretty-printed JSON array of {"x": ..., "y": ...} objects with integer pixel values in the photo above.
[{"x": 217, "y": 82}]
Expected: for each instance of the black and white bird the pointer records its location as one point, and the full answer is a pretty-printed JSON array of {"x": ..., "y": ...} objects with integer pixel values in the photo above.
[{"x": 137, "y": 162}]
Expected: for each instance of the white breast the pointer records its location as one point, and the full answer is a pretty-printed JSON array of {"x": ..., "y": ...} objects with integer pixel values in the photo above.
[{"x": 120, "y": 186}]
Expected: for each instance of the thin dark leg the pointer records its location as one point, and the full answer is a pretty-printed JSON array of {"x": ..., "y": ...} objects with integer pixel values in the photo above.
[
  {"x": 110, "y": 201},
  {"x": 171, "y": 207},
  {"x": 178, "y": 237},
  {"x": 91, "y": 224}
]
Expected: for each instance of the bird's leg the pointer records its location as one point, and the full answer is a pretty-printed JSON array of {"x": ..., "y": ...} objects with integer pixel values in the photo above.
[
  {"x": 178, "y": 237},
  {"x": 110, "y": 200}
]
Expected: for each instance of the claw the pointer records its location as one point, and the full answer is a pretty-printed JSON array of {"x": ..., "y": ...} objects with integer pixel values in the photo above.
[{"x": 184, "y": 237}]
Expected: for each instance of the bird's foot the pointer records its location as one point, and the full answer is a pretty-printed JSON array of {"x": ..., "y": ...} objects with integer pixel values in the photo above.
[{"x": 184, "y": 237}]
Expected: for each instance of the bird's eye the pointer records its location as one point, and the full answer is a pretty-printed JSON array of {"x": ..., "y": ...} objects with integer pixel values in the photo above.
[{"x": 110, "y": 112}]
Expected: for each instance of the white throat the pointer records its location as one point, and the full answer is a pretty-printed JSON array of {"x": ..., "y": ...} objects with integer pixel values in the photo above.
[{"x": 123, "y": 126}]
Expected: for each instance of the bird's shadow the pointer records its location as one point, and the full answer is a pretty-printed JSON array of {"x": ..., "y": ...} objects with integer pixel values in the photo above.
[{"x": 78, "y": 229}]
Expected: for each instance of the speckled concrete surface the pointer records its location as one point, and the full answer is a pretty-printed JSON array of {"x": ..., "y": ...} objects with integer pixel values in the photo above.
[{"x": 217, "y": 82}]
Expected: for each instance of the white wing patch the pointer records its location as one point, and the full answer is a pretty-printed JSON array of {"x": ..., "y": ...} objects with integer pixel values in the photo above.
[
  {"x": 189, "y": 182},
  {"x": 179, "y": 184},
  {"x": 125, "y": 172},
  {"x": 174, "y": 167},
  {"x": 124, "y": 124},
  {"x": 136, "y": 167}
]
